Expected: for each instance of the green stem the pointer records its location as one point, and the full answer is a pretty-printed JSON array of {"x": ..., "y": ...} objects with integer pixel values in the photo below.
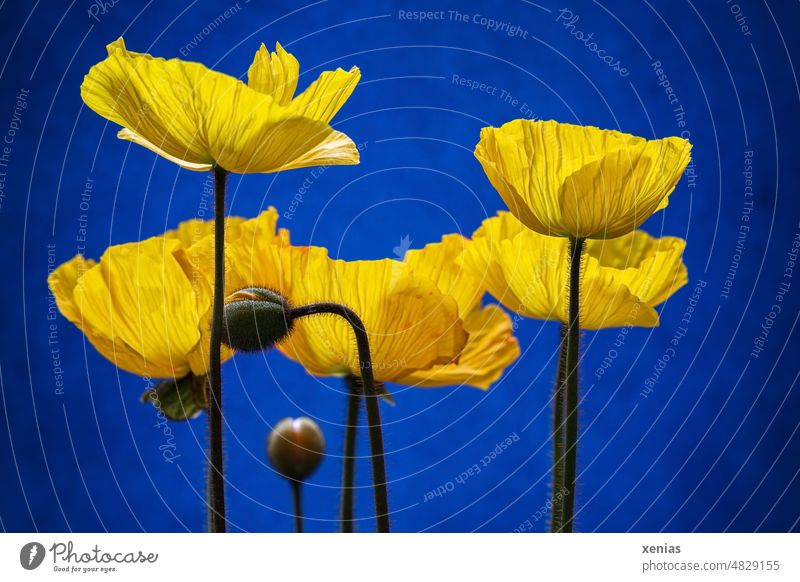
[
  {"x": 371, "y": 400},
  {"x": 297, "y": 499},
  {"x": 216, "y": 482},
  {"x": 557, "y": 518},
  {"x": 572, "y": 348},
  {"x": 349, "y": 455}
]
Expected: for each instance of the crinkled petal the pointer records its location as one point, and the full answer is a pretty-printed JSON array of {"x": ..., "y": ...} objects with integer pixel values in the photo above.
[
  {"x": 131, "y": 136},
  {"x": 490, "y": 349},
  {"x": 139, "y": 295},
  {"x": 258, "y": 144},
  {"x": 615, "y": 194},
  {"x": 568, "y": 180},
  {"x": 198, "y": 118},
  {"x": 441, "y": 263},
  {"x": 482, "y": 256},
  {"x": 411, "y": 324},
  {"x": 154, "y": 98},
  {"x": 652, "y": 268},
  {"x": 325, "y": 96},
  {"x": 274, "y": 74}
]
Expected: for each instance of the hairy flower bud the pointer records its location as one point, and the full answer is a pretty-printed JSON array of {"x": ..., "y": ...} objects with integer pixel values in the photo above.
[
  {"x": 255, "y": 319},
  {"x": 295, "y": 447}
]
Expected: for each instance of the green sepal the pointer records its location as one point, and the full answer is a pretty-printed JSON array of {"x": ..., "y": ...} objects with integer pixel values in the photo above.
[
  {"x": 384, "y": 394},
  {"x": 180, "y": 398}
]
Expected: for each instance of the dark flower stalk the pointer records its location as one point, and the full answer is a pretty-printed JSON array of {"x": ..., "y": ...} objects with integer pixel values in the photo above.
[
  {"x": 216, "y": 481},
  {"x": 256, "y": 319}
]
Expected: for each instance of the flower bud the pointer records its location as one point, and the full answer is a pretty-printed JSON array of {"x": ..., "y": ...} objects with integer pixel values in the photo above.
[
  {"x": 255, "y": 319},
  {"x": 295, "y": 447}
]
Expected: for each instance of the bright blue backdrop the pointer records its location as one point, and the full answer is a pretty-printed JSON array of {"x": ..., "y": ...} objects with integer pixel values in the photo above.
[{"x": 713, "y": 446}]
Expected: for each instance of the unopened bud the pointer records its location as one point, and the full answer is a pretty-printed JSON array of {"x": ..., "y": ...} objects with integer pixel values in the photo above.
[
  {"x": 295, "y": 447},
  {"x": 255, "y": 319}
]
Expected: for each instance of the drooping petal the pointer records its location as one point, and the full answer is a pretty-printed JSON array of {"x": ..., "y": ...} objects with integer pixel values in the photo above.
[
  {"x": 607, "y": 302},
  {"x": 652, "y": 268},
  {"x": 257, "y": 143},
  {"x": 490, "y": 349},
  {"x": 63, "y": 281},
  {"x": 139, "y": 295},
  {"x": 622, "y": 279},
  {"x": 274, "y": 74}
]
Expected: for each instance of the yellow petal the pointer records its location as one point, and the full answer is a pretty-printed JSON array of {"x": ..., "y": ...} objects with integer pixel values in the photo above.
[
  {"x": 128, "y": 135},
  {"x": 62, "y": 282},
  {"x": 274, "y": 74},
  {"x": 441, "y": 263},
  {"x": 562, "y": 179},
  {"x": 652, "y": 268},
  {"x": 192, "y": 231},
  {"x": 153, "y": 98},
  {"x": 535, "y": 269},
  {"x": 199, "y": 118},
  {"x": 622, "y": 279},
  {"x": 325, "y": 96},
  {"x": 411, "y": 324},
  {"x": 139, "y": 296},
  {"x": 607, "y": 302},
  {"x": 490, "y": 349},
  {"x": 612, "y": 196},
  {"x": 258, "y": 143},
  {"x": 482, "y": 256}
]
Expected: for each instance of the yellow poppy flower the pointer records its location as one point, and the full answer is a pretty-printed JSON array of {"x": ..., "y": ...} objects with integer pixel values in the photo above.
[
  {"x": 199, "y": 118},
  {"x": 146, "y": 305},
  {"x": 412, "y": 311},
  {"x": 569, "y": 180},
  {"x": 622, "y": 280}
]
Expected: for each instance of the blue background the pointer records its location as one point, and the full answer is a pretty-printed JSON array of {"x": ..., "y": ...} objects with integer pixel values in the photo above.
[{"x": 714, "y": 446}]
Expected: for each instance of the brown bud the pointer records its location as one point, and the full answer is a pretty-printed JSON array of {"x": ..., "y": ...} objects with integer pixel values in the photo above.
[{"x": 295, "y": 447}]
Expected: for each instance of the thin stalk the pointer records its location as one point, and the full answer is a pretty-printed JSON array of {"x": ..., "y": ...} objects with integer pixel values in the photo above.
[
  {"x": 349, "y": 455},
  {"x": 557, "y": 517},
  {"x": 297, "y": 498},
  {"x": 216, "y": 482},
  {"x": 371, "y": 400},
  {"x": 572, "y": 348}
]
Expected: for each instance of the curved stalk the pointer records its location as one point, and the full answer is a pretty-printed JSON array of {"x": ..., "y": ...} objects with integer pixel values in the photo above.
[
  {"x": 216, "y": 482},
  {"x": 370, "y": 400}
]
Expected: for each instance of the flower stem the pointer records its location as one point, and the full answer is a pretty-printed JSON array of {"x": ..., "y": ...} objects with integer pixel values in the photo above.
[
  {"x": 557, "y": 517},
  {"x": 571, "y": 346},
  {"x": 216, "y": 482},
  {"x": 297, "y": 498},
  {"x": 349, "y": 455},
  {"x": 371, "y": 401}
]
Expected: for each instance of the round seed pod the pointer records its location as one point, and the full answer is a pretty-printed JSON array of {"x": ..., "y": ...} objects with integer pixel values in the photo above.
[{"x": 295, "y": 447}]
